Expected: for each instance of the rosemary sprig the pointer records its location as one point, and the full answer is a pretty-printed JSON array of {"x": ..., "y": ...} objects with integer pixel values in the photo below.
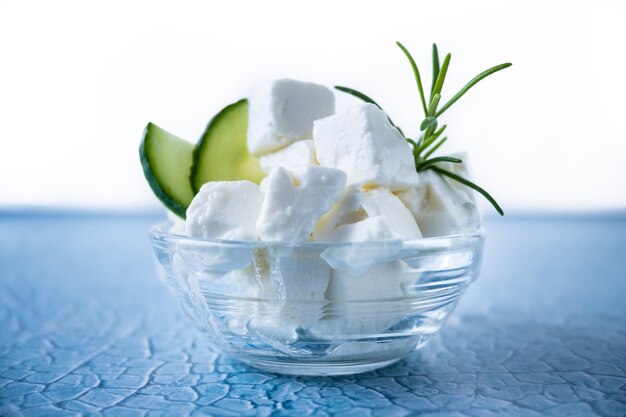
[{"x": 428, "y": 141}]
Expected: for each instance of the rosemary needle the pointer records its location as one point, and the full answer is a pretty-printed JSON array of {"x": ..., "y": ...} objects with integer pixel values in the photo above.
[
  {"x": 416, "y": 73},
  {"x": 435, "y": 69}
]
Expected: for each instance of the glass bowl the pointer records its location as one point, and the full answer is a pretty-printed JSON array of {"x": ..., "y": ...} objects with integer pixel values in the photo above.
[{"x": 318, "y": 308}]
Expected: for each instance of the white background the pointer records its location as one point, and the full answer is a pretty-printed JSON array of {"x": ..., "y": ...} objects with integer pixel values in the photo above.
[{"x": 79, "y": 81}]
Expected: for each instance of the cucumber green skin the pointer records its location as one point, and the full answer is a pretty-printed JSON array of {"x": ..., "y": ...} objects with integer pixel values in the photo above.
[
  {"x": 176, "y": 206},
  {"x": 194, "y": 177}
]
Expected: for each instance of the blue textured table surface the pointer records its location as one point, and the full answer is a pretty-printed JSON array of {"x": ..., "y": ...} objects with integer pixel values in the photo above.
[{"x": 86, "y": 328}]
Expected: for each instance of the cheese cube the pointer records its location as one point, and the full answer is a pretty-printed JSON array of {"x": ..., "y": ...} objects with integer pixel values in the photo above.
[
  {"x": 240, "y": 285},
  {"x": 303, "y": 281},
  {"x": 365, "y": 303},
  {"x": 295, "y": 200},
  {"x": 294, "y": 284},
  {"x": 362, "y": 142},
  {"x": 439, "y": 208},
  {"x": 299, "y": 153},
  {"x": 282, "y": 112},
  {"x": 363, "y": 215},
  {"x": 225, "y": 210}
]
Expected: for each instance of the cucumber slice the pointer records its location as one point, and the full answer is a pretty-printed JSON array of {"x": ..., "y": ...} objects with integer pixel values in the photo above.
[
  {"x": 166, "y": 160},
  {"x": 222, "y": 152}
]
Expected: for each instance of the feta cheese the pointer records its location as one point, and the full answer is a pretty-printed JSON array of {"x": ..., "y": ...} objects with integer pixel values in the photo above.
[
  {"x": 362, "y": 142},
  {"x": 439, "y": 208},
  {"x": 241, "y": 286},
  {"x": 299, "y": 153},
  {"x": 264, "y": 183},
  {"x": 365, "y": 303},
  {"x": 303, "y": 283},
  {"x": 294, "y": 285},
  {"x": 294, "y": 201},
  {"x": 272, "y": 328},
  {"x": 225, "y": 210},
  {"x": 283, "y": 111},
  {"x": 363, "y": 215}
]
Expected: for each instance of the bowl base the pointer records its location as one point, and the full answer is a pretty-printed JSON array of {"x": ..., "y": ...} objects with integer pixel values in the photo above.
[{"x": 318, "y": 368}]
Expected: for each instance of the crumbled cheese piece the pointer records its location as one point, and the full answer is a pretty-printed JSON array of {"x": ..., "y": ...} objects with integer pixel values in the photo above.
[
  {"x": 364, "y": 303},
  {"x": 283, "y": 111},
  {"x": 362, "y": 142},
  {"x": 439, "y": 208},
  {"x": 225, "y": 210},
  {"x": 363, "y": 215},
  {"x": 295, "y": 200},
  {"x": 294, "y": 285}
]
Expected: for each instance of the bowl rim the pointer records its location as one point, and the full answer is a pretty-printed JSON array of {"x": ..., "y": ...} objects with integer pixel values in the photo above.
[{"x": 160, "y": 232}]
